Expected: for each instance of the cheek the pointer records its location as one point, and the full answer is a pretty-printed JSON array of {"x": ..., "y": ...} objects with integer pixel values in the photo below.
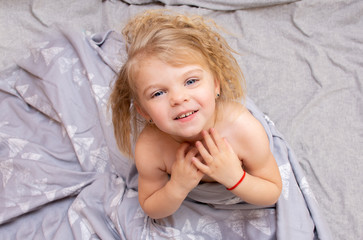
[
  {"x": 155, "y": 110},
  {"x": 207, "y": 101},
  {"x": 208, "y": 97}
]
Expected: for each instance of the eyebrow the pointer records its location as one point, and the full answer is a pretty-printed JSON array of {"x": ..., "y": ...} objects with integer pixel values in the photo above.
[
  {"x": 192, "y": 71},
  {"x": 149, "y": 87}
]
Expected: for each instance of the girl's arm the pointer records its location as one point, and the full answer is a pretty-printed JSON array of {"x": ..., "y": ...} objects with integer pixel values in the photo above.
[
  {"x": 160, "y": 196},
  {"x": 262, "y": 183}
]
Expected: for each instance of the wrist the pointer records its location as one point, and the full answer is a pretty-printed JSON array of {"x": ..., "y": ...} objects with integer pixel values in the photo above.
[
  {"x": 238, "y": 182},
  {"x": 176, "y": 190}
]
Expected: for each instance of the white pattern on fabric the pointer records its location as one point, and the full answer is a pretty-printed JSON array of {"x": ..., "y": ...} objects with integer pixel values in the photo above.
[
  {"x": 139, "y": 213},
  {"x": 22, "y": 89},
  {"x": 210, "y": 227},
  {"x": 305, "y": 187},
  {"x": 50, "y": 195},
  {"x": 98, "y": 159},
  {"x": 49, "y": 53},
  {"x": 24, "y": 206},
  {"x": 33, "y": 100},
  {"x": 100, "y": 93},
  {"x": 35, "y": 49},
  {"x": 78, "y": 76},
  {"x": 82, "y": 146},
  {"x": 237, "y": 223},
  {"x": 66, "y": 64},
  {"x": 6, "y": 169},
  {"x": 285, "y": 172},
  {"x": 16, "y": 145},
  {"x": 71, "y": 130},
  {"x": 31, "y": 156},
  {"x": 261, "y": 221},
  {"x": 72, "y": 189},
  {"x": 85, "y": 231}
]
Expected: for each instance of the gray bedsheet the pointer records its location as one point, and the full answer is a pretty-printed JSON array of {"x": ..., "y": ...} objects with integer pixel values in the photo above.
[
  {"x": 63, "y": 178},
  {"x": 63, "y": 146}
]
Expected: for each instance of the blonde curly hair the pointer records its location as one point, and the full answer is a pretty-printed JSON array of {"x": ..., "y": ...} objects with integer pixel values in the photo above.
[{"x": 178, "y": 40}]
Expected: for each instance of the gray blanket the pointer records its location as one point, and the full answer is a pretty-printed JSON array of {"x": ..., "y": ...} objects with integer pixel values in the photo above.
[
  {"x": 61, "y": 175},
  {"x": 60, "y": 155}
]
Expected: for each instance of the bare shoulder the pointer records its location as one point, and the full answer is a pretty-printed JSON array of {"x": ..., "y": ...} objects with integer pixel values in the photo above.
[
  {"x": 246, "y": 134},
  {"x": 147, "y": 150},
  {"x": 252, "y": 128},
  {"x": 150, "y": 162},
  {"x": 237, "y": 117}
]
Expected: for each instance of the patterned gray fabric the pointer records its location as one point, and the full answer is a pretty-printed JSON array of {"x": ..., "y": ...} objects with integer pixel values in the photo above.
[
  {"x": 303, "y": 64},
  {"x": 216, "y": 4},
  {"x": 63, "y": 177}
]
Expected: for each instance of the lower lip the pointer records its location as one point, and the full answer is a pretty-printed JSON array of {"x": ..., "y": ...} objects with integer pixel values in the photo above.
[{"x": 187, "y": 119}]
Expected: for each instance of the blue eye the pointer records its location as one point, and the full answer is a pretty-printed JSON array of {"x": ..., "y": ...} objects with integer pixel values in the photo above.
[
  {"x": 190, "y": 81},
  {"x": 157, "y": 94}
]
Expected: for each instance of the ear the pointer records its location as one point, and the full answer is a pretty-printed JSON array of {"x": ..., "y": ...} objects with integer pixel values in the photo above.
[{"x": 141, "y": 111}]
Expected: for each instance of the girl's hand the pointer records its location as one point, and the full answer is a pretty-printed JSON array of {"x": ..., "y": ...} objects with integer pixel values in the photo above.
[
  {"x": 220, "y": 161},
  {"x": 184, "y": 174}
]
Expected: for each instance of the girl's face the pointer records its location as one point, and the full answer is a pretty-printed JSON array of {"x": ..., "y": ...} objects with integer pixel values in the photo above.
[{"x": 179, "y": 100}]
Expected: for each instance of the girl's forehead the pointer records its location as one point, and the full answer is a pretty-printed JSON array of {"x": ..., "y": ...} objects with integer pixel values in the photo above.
[
  {"x": 180, "y": 62},
  {"x": 156, "y": 67},
  {"x": 173, "y": 55},
  {"x": 155, "y": 71}
]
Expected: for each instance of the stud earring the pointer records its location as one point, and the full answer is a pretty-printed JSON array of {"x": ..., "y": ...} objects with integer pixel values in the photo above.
[
  {"x": 218, "y": 95},
  {"x": 150, "y": 121}
]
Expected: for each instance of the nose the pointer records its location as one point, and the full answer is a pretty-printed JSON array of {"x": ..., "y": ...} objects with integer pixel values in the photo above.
[{"x": 177, "y": 97}]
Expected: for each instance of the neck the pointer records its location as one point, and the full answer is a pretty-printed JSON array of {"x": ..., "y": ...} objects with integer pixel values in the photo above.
[{"x": 191, "y": 140}]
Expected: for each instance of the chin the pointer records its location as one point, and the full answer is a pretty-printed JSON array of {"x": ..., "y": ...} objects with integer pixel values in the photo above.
[{"x": 191, "y": 136}]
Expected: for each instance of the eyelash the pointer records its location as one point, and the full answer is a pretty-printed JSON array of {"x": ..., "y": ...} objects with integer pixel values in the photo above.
[
  {"x": 155, "y": 94},
  {"x": 191, "y": 79}
]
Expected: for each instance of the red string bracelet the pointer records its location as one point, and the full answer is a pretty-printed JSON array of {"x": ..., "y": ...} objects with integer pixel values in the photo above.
[{"x": 231, "y": 188}]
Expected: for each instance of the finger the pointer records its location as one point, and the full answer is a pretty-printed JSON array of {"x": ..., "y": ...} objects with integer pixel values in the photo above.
[
  {"x": 217, "y": 139},
  {"x": 200, "y": 166},
  {"x": 210, "y": 143},
  {"x": 228, "y": 146},
  {"x": 203, "y": 152},
  {"x": 180, "y": 154},
  {"x": 200, "y": 174},
  {"x": 192, "y": 153}
]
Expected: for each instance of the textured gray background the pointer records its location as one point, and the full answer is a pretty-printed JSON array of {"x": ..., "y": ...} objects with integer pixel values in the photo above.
[{"x": 303, "y": 65}]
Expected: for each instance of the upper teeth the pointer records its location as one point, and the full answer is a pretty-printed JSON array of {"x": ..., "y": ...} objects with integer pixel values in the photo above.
[{"x": 185, "y": 115}]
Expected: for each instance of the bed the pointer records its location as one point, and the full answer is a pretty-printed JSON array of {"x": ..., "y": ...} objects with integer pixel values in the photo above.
[{"x": 62, "y": 176}]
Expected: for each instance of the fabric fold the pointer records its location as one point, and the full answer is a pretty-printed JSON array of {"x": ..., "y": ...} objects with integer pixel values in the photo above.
[{"x": 59, "y": 140}]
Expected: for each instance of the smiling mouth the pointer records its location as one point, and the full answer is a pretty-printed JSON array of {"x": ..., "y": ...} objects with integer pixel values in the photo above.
[{"x": 185, "y": 115}]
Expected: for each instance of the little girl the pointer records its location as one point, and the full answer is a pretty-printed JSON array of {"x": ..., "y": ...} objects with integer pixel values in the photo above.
[{"x": 178, "y": 95}]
